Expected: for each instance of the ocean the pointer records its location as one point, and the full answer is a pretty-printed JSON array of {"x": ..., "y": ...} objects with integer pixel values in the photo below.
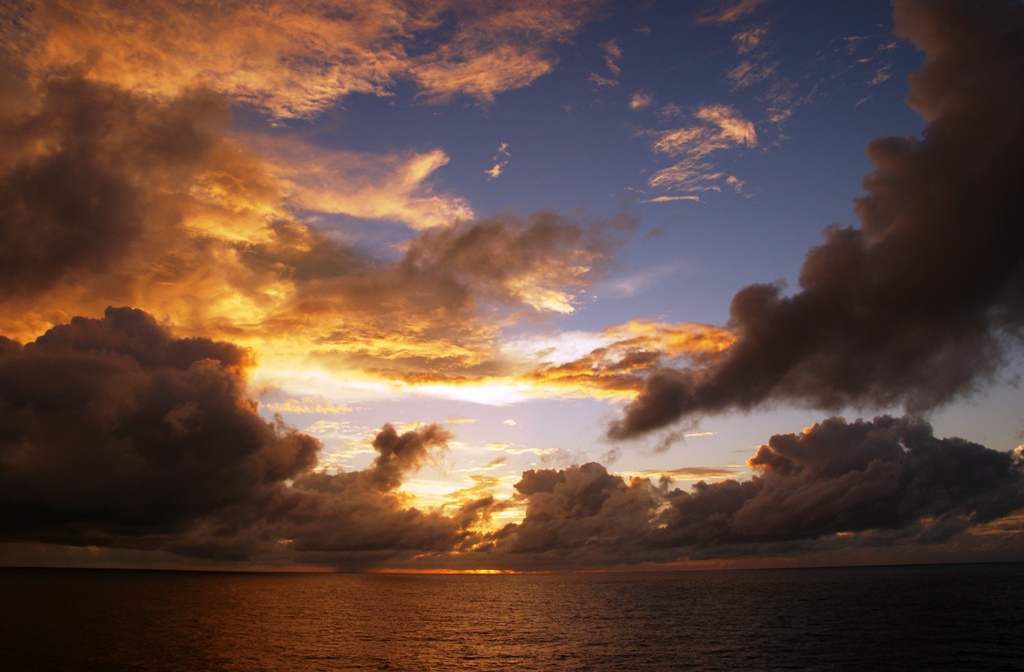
[{"x": 948, "y": 617}]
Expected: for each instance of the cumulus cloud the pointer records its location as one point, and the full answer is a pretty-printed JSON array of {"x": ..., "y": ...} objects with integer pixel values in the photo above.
[
  {"x": 838, "y": 477},
  {"x": 123, "y": 183},
  {"x": 115, "y": 433},
  {"x": 113, "y": 428},
  {"x": 914, "y": 307},
  {"x": 836, "y": 484},
  {"x": 571, "y": 509},
  {"x": 113, "y": 197}
]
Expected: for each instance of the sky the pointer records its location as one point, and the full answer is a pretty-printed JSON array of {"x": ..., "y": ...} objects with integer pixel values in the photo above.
[{"x": 437, "y": 285}]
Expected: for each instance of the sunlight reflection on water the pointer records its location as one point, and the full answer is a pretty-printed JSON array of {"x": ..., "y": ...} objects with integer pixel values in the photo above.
[{"x": 936, "y": 618}]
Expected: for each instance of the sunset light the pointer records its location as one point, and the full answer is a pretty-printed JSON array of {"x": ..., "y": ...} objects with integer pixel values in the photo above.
[{"x": 496, "y": 288}]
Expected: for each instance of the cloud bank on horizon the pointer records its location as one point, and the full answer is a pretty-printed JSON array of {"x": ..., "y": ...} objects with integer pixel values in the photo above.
[{"x": 122, "y": 184}]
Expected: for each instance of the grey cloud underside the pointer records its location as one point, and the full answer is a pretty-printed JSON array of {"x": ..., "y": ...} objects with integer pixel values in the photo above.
[{"x": 917, "y": 306}]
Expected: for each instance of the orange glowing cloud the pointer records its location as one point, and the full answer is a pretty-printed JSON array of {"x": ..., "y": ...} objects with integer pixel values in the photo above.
[
  {"x": 620, "y": 357},
  {"x": 604, "y": 365},
  {"x": 391, "y": 187},
  {"x": 295, "y": 59},
  {"x": 714, "y": 128}
]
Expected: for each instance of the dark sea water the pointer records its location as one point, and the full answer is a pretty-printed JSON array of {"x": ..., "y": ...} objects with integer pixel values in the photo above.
[{"x": 960, "y": 617}]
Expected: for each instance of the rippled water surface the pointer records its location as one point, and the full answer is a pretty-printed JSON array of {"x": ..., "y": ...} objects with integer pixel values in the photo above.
[{"x": 966, "y": 617}]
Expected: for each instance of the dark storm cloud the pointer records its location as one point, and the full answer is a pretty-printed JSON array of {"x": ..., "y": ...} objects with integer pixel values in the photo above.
[
  {"x": 352, "y": 519},
  {"x": 849, "y": 477},
  {"x": 914, "y": 307},
  {"x": 115, "y": 433},
  {"x": 112, "y": 427},
  {"x": 401, "y": 453},
  {"x": 580, "y": 514},
  {"x": 837, "y": 483}
]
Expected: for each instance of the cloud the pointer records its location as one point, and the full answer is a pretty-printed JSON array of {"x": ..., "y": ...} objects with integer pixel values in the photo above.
[
  {"x": 118, "y": 198},
  {"x": 369, "y": 186},
  {"x": 715, "y": 128},
  {"x": 571, "y": 509},
  {"x": 628, "y": 352},
  {"x": 431, "y": 320},
  {"x": 295, "y": 59},
  {"x": 756, "y": 64},
  {"x": 495, "y": 171},
  {"x": 640, "y": 100},
  {"x": 320, "y": 406},
  {"x": 612, "y": 56},
  {"x": 118, "y": 434},
  {"x": 495, "y": 48},
  {"x": 723, "y": 127},
  {"x": 398, "y": 454},
  {"x": 751, "y": 39},
  {"x": 113, "y": 428},
  {"x": 916, "y": 306},
  {"x": 671, "y": 199},
  {"x": 727, "y": 11},
  {"x": 835, "y": 485},
  {"x": 838, "y": 477},
  {"x": 540, "y": 262}
]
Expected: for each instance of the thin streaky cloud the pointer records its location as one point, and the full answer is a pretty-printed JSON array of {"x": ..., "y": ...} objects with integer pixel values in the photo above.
[{"x": 727, "y": 11}]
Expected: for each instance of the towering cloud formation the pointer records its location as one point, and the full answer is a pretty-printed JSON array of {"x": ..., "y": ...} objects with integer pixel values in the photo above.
[
  {"x": 113, "y": 428},
  {"x": 914, "y": 306},
  {"x": 115, "y": 433}
]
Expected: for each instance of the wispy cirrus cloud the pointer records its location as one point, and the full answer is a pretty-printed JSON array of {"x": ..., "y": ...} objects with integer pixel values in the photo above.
[
  {"x": 727, "y": 11},
  {"x": 713, "y": 128},
  {"x": 756, "y": 62},
  {"x": 501, "y": 159},
  {"x": 612, "y": 56},
  {"x": 640, "y": 100},
  {"x": 393, "y": 187}
]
